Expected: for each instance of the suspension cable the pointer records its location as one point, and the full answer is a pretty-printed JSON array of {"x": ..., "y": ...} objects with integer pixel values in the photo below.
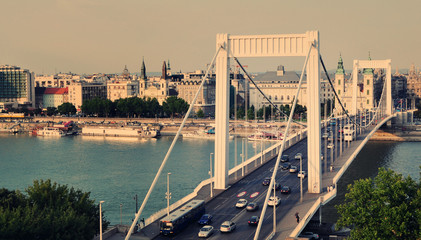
[
  {"x": 170, "y": 149},
  {"x": 275, "y": 170},
  {"x": 261, "y": 92}
]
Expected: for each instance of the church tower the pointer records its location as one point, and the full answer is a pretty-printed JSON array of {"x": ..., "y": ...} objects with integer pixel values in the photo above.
[
  {"x": 368, "y": 84},
  {"x": 340, "y": 78},
  {"x": 143, "y": 83},
  {"x": 164, "y": 71}
]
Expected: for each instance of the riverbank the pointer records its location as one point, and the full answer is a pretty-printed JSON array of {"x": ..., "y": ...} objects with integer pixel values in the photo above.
[
  {"x": 397, "y": 135},
  {"x": 167, "y": 126}
]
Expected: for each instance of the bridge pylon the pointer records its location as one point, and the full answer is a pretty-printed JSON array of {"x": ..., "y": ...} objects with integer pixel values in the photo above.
[{"x": 280, "y": 45}]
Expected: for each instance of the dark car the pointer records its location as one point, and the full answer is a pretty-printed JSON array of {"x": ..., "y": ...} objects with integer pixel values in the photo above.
[
  {"x": 254, "y": 220},
  {"x": 205, "y": 219},
  {"x": 285, "y": 158},
  {"x": 285, "y": 189},
  {"x": 285, "y": 166},
  {"x": 252, "y": 206},
  {"x": 266, "y": 181},
  {"x": 277, "y": 186}
]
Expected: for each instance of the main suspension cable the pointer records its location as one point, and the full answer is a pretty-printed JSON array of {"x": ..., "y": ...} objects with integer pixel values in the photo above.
[{"x": 261, "y": 92}]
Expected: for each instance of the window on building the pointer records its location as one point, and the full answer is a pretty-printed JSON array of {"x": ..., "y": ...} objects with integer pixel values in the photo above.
[
  {"x": 339, "y": 81},
  {"x": 368, "y": 92},
  {"x": 368, "y": 101},
  {"x": 276, "y": 97},
  {"x": 339, "y": 92},
  {"x": 368, "y": 81}
]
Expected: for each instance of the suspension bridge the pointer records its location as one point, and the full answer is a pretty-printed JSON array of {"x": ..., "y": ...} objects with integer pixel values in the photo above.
[{"x": 324, "y": 159}]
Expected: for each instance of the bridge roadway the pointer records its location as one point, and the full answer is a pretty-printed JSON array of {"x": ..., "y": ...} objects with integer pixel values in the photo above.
[{"x": 222, "y": 205}]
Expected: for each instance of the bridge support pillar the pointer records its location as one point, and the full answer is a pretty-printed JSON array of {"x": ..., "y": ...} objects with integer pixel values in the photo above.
[
  {"x": 222, "y": 113},
  {"x": 313, "y": 116}
]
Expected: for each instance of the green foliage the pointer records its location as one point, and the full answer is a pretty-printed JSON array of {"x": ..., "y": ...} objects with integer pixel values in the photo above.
[
  {"x": 388, "y": 207},
  {"x": 51, "y": 111},
  {"x": 250, "y": 113},
  {"x": 240, "y": 113},
  {"x": 174, "y": 106},
  {"x": 66, "y": 108},
  {"x": 49, "y": 211},
  {"x": 200, "y": 113}
]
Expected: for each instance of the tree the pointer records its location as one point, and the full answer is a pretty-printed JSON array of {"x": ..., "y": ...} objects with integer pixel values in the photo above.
[
  {"x": 175, "y": 106},
  {"x": 388, "y": 207},
  {"x": 200, "y": 113},
  {"x": 48, "y": 211},
  {"x": 51, "y": 111},
  {"x": 250, "y": 113},
  {"x": 66, "y": 108}
]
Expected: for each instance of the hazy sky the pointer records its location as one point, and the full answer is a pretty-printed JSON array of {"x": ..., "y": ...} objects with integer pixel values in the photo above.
[{"x": 91, "y": 36}]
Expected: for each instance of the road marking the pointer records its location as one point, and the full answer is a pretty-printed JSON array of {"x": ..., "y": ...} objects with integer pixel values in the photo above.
[
  {"x": 241, "y": 194},
  {"x": 255, "y": 194}
]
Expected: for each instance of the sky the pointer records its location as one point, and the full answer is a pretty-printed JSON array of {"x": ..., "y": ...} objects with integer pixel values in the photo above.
[{"x": 102, "y": 36}]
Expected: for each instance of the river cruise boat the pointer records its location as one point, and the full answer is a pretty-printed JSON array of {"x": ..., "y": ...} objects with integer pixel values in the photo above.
[
  {"x": 144, "y": 132},
  {"x": 50, "y": 132}
]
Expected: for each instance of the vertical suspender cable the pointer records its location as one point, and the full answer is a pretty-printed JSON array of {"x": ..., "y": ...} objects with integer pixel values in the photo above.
[
  {"x": 272, "y": 180},
  {"x": 170, "y": 149}
]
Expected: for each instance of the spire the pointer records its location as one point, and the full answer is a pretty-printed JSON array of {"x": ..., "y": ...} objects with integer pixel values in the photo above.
[
  {"x": 168, "y": 63},
  {"x": 368, "y": 70},
  {"x": 143, "y": 70},
  {"x": 340, "y": 69},
  {"x": 164, "y": 71}
]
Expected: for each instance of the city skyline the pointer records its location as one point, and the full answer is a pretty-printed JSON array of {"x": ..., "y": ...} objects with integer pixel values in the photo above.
[{"x": 94, "y": 36}]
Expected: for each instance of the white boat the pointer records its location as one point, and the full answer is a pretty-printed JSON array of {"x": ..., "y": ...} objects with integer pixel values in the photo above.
[
  {"x": 50, "y": 132},
  {"x": 144, "y": 132},
  {"x": 203, "y": 135},
  {"x": 265, "y": 136}
]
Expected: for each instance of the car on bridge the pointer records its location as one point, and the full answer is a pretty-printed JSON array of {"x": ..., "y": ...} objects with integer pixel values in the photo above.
[
  {"x": 205, "y": 231},
  {"x": 266, "y": 181},
  {"x": 274, "y": 201},
  {"x": 227, "y": 226},
  {"x": 293, "y": 169},
  {"x": 302, "y": 174},
  {"x": 285, "y": 166},
  {"x": 252, "y": 206},
  {"x": 331, "y": 146},
  {"x": 285, "y": 158},
  {"x": 241, "y": 203},
  {"x": 205, "y": 219},
  {"x": 254, "y": 220},
  {"x": 285, "y": 189}
]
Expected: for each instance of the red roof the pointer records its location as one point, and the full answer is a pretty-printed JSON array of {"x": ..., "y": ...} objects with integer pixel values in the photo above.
[{"x": 56, "y": 91}]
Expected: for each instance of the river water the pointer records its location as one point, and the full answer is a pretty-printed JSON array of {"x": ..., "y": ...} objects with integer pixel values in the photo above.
[
  {"x": 112, "y": 169},
  {"x": 117, "y": 169}
]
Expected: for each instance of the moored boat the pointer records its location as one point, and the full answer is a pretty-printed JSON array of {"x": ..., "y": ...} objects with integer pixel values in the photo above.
[
  {"x": 50, "y": 132},
  {"x": 144, "y": 132}
]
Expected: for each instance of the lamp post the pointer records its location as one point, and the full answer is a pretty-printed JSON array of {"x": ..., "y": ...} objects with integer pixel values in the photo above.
[
  {"x": 210, "y": 175},
  {"x": 168, "y": 194},
  {"x": 121, "y": 214},
  {"x": 100, "y": 219},
  {"x": 301, "y": 178}
]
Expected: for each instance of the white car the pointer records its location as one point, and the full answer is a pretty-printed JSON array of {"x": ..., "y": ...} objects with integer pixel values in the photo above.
[
  {"x": 241, "y": 203},
  {"x": 325, "y": 135},
  {"x": 302, "y": 174},
  {"x": 205, "y": 231},
  {"x": 227, "y": 226},
  {"x": 298, "y": 156},
  {"x": 293, "y": 169},
  {"x": 330, "y": 145},
  {"x": 274, "y": 201}
]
